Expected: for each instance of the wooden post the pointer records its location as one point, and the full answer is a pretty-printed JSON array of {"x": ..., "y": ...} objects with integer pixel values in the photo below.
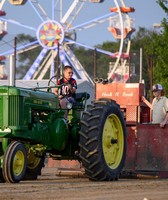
[
  {"x": 57, "y": 64},
  {"x": 14, "y": 67},
  {"x": 150, "y": 68},
  {"x": 95, "y": 69}
]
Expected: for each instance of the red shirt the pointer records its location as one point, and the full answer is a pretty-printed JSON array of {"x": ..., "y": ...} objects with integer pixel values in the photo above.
[{"x": 64, "y": 89}]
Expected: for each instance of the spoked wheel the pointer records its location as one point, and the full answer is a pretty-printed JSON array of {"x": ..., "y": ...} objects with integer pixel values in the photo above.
[
  {"x": 52, "y": 81},
  {"x": 34, "y": 166},
  {"x": 103, "y": 140},
  {"x": 15, "y": 162},
  {"x": 58, "y": 26}
]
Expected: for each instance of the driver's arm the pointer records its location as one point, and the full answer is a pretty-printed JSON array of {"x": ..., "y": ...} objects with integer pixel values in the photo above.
[
  {"x": 71, "y": 88},
  {"x": 55, "y": 91}
]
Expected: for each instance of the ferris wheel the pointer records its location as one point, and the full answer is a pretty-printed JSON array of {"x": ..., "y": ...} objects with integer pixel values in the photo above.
[{"x": 56, "y": 25}]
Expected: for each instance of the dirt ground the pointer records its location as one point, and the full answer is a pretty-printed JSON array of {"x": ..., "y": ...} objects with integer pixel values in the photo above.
[{"x": 50, "y": 186}]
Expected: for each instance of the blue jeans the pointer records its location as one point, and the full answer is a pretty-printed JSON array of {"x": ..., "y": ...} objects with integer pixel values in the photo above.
[{"x": 63, "y": 103}]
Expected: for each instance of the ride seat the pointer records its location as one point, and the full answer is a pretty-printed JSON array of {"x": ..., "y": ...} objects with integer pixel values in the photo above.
[{"x": 81, "y": 99}]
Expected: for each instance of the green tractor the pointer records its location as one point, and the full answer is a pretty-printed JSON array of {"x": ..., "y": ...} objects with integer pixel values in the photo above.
[{"x": 32, "y": 127}]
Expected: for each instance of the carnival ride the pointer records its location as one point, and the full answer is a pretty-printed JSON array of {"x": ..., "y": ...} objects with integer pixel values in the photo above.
[
  {"x": 2, "y": 58},
  {"x": 56, "y": 29}
]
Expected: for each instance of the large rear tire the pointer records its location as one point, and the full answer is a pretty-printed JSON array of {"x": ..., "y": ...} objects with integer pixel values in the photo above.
[
  {"x": 14, "y": 162},
  {"x": 103, "y": 140}
]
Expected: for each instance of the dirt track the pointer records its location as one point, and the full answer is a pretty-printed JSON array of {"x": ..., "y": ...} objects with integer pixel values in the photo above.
[{"x": 51, "y": 187}]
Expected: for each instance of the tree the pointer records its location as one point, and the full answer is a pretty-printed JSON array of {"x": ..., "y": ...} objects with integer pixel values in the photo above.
[
  {"x": 86, "y": 58},
  {"x": 162, "y": 4},
  {"x": 161, "y": 67},
  {"x": 144, "y": 39}
]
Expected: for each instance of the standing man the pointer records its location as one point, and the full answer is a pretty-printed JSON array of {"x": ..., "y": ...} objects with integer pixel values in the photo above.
[
  {"x": 68, "y": 89},
  {"x": 159, "y": 106}
]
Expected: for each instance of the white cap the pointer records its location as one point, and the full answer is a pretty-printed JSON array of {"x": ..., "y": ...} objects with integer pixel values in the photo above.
[{"x": 157, "y": 87}]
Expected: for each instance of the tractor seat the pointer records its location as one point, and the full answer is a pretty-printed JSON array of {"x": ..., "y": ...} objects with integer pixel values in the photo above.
[{"x": 80, "y": 98}]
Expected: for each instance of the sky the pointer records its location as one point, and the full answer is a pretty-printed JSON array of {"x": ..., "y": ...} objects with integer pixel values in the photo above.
[{"x": 147, "y": 13}]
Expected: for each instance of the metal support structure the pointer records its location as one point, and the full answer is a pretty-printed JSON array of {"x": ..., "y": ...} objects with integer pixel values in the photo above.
[
  {"x": 2, "y": 3},
  {"x": 57, "y": 62},
  {"x": 71, "y": 9},
  {"x": 39, "y": 10},
  {"x": 66, "y": 19},
  {"x": 140, "y": 79},
  {"x": 11, "y": 74},
  {"x": 95, "y": 68}
]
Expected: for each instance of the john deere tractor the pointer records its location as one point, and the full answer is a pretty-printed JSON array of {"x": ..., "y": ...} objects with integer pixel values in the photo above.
[{"x": 32, "y": 126}]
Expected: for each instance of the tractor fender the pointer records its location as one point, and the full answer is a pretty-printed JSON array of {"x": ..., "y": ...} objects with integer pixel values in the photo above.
[{"x": 59, "y": 134}]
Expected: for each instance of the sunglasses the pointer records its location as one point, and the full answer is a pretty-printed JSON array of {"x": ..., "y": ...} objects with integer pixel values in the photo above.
[
  {"x": 70, "y": 72},
  {"x": 155, "y": 90}
]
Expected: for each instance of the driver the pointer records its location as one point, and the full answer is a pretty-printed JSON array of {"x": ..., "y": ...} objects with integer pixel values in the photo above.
[{"x": 67, "y": 92}]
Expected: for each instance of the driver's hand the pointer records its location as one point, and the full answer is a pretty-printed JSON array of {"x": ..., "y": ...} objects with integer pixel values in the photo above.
[
  {"x": 69, "y": 87},
  {"x": 60, "y": 96},
  {"x": 143, "y": 98}
]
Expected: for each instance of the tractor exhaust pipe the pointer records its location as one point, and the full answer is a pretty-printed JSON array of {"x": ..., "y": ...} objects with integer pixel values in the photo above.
[{"x": 101, "y": 80}]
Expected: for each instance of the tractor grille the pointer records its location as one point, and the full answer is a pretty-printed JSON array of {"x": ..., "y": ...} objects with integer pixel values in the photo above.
[
  {"x": 1, "y": 111},
  {"x": 11, "y": 111},
  {"x": 15, "y": 112},
  {"x": 131, "y": 114}
]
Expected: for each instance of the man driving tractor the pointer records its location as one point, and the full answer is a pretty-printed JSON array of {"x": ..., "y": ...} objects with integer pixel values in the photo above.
[{"x": 68, "y": 89}]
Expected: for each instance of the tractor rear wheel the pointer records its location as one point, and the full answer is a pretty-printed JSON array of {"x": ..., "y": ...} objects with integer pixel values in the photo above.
[
  {"x": 14, "y": 162},
  {"x": 103, "y": 140},
  {"x": 34, "y": 166}
]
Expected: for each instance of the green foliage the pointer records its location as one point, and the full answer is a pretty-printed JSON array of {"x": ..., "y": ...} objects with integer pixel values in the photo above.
[
  {"x": 161, "y": 45},
  {"x": 86, "y": 58},
  {"x": 162, "y": 4},
  {"x": 161, "y": 67},
  {"x": 104, "y": 60},
  {"x": 94, "y": 61}
]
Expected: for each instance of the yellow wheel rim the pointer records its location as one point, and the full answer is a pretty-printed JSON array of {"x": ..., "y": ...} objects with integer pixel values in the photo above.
[
  {"x": 18, "y": 163},
  {"x": 113, "y": 141},
  {"x": 33, "y": 161}
]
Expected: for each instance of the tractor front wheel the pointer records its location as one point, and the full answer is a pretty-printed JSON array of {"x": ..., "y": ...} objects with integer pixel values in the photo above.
[
  {"x": 103, "y": 140},
  {"x": 14, "y": 162},
  {"x": 34, "y": 166}
]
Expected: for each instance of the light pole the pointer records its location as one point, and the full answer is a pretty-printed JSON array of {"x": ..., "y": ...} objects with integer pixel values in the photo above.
[{"x": 150, "y": 67}]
